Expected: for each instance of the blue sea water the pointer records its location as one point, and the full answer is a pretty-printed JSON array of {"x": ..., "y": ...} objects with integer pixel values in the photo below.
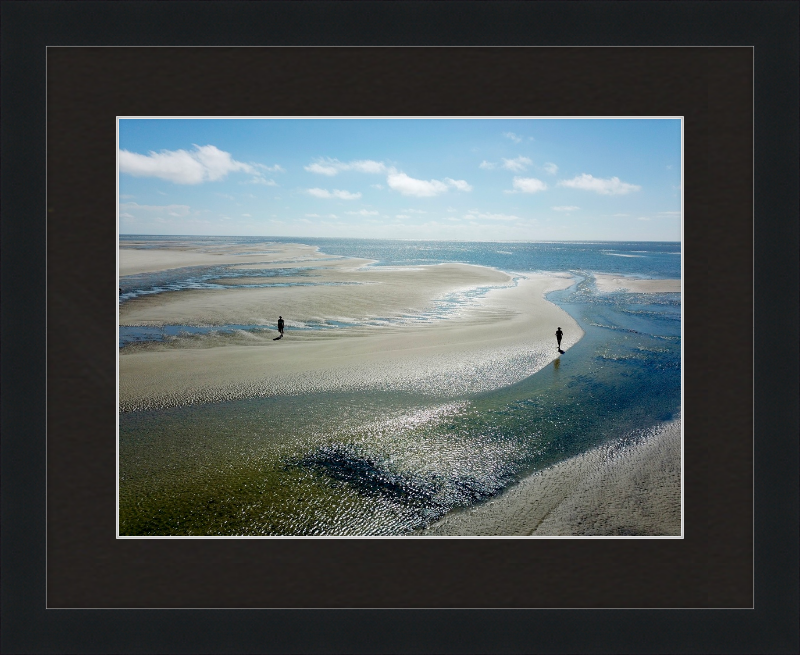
[
  {"x": 660, "y": 260},
  {"x": 393, "y": 475}
]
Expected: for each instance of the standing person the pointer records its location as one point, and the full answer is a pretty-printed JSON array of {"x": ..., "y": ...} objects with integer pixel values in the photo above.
[
  {"x": 280, "y": 325},
  {"x": 559, "y": 334}
]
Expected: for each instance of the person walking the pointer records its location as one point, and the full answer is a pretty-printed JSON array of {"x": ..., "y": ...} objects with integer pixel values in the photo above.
[
  {"x": 559, "y": 334},
  {"x": 280, "y": 325}
]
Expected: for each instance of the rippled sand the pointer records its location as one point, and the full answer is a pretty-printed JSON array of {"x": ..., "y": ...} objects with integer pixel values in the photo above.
[
  {"x": 623, "y": 488},
  {"x": 608, "y": 283},
  {"x": 500, "y": 338}
]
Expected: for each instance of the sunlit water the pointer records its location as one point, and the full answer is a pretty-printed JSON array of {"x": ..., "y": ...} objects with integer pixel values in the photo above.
[{"x": 386, "y": 463}]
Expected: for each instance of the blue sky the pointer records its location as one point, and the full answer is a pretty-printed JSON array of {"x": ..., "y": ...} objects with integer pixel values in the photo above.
[{"x": 453, "y": 179}]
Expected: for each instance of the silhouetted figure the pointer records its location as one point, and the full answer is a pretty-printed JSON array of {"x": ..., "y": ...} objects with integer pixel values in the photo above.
[
  {"x": 280, "y": 324},
  {"x": 559, "y": 334}
]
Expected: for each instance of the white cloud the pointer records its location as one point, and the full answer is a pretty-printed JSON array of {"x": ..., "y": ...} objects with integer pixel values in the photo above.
[
  {"x": 247, "y": 215},
  {"x": 332, "y": 167},
  {"x": 346, "y": 195},
  {"x": 461, "y": 185},
  {"x": 528, "y": 185},
  {"x": 204, "y": 164},
  {"x": 517, "y": 164},
  {"x": 414, "y": 211},
  {"x": 566, "y": 209},
  {"x": 363, "y": 212},
  {"x": 368, "y": 166},
  {"x": 550, "y": 167},
  {"x": 402, "y": 216},
  {"x": 410, "y": 186},
  {"x": 336, "y": 193},
  {"x": 321, "y": 169},
  {"x": 376, "y": 186},
  {"x": 487, "y": 165},
  {"x": 514, "y": 137},
  {"x": 609, "y": 187},
  {"x": 642, "y": 218}
]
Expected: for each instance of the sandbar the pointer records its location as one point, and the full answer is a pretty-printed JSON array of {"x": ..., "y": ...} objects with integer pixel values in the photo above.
[
  {"x": 141, "y": 257},
  {"x": 608, "y": 283},
  {"x": 629, "y": 487},
  {"x": 394, "y": 337},
  {"x": 345, "y": 294}
]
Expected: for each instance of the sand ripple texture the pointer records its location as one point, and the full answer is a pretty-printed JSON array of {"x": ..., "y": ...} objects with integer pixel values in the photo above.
[{"x": 630, "y": 487}]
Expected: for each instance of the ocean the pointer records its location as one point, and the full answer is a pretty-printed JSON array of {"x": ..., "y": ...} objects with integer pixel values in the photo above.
[{"x": 390, "y": 462}]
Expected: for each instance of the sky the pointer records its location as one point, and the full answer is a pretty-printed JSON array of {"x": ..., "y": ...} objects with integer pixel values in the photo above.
[{"x": 514, "y": 179}]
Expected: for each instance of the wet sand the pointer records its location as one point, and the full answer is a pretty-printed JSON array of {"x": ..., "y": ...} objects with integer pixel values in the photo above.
[
  {"x": 139, "y": 257},
  {"x": 629, "y": 489},
  {"x": 609, "y": 283},
  {"x": 500, "y": 338}
]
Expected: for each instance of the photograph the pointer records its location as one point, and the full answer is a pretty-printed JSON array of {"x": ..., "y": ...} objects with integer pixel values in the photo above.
[
  {"x": 377, "y": 327},
  {"x": 390, "y": 271}
]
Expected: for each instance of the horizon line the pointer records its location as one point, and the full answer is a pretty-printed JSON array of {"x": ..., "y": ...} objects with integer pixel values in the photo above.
[{"x": 260, "y": 236}]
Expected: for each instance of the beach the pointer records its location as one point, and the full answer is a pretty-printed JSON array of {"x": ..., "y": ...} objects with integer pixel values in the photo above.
[
  {"x": 623, "y": 488},
  {"x": 417, "y": 389},
  {"x": 499, "y": 338}
]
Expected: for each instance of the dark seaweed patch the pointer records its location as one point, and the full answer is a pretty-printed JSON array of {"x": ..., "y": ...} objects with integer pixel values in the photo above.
[
  {"x": 370, "y": 475},
  {"x": 428, "y": 496}
]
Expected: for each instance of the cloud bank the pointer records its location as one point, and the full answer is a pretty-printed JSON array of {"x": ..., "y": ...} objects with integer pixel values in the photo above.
[
  {"x": 474, "y": 214},
  {"x": 203, "y": 164},
  {"x": 168, "y": 210}
]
